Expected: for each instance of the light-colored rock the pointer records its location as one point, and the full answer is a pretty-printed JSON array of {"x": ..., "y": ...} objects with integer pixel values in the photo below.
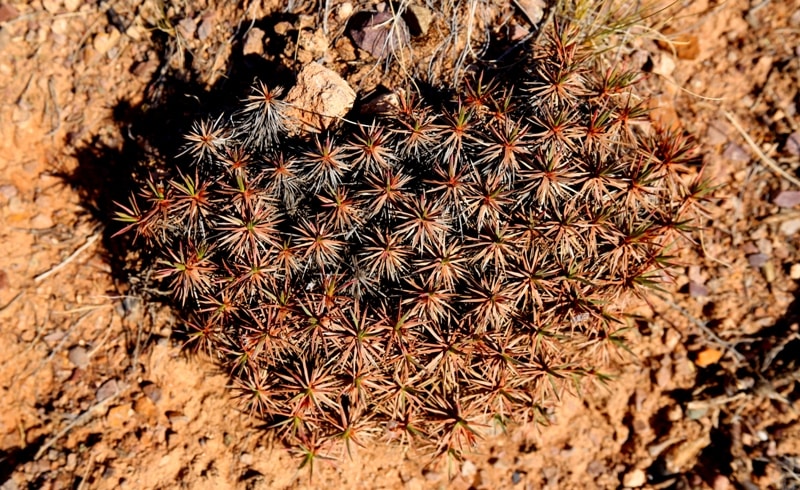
[
  {"x": 144, "y": 407},
  {"x": 319, "y": 97},
  {"x": 634, "y": 479},
  {"x": 206, "y": 26},
  {"x": 468, "y": 469},
  {"x": 254, "y": 42},
  {"x": 419, "y": 20},
  {"x": 78, "y": 356},
  {"x": 119, "y": 415},
  {"x": 313, "y": 44},
  {"x": 52, "y": 6},
  {"x": 344, "y": 11},
  {"x": 104, "y": 41},
  {"x": 136, "y": 32},
  {"x": 532, "y": 9},
  {"x": 664, "y": 65},
  {"x": 107, "y": 390},
  {"x": 187, "y": 27},
  {"x": 60, "y": 26},
  {"x": 72, "y": 5},
  {"x": 790, "y": 227}
]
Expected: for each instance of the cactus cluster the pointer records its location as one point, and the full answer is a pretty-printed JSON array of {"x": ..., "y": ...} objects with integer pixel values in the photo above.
[{"x": 421, "y": 275}]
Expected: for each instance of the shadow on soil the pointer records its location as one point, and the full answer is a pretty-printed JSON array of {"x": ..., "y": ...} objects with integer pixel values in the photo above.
[{"x": 152, "y": 132}]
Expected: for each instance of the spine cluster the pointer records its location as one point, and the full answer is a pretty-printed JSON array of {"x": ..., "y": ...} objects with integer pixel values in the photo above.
[{"x": 421, "y": 275}]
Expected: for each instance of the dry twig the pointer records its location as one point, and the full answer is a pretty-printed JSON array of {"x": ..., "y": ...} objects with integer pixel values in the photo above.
[
  {"x": 769, "y": 162},
  {"x": 44, "y": 275}
]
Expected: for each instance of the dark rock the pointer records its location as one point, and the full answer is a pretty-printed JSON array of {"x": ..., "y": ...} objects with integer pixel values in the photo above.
[{"x": 380, "y": 34}]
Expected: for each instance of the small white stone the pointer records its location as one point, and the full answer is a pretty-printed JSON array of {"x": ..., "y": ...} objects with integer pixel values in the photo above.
[
  {"x": 790, "y": 226},
  {"x": 344, "y": 11},
  {"x": 533, "y": 9},
  {"x": 634, "y": 478},
  {"x": 104, "y": 41},
  {"x": 468, "y": 469}
]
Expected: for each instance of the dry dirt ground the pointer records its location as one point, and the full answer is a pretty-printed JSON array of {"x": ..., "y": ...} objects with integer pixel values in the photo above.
[{"x": 96, "y": 392}]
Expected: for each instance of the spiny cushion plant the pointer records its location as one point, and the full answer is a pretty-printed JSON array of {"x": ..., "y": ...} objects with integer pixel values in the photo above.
[{"x": 426, "y": 274}]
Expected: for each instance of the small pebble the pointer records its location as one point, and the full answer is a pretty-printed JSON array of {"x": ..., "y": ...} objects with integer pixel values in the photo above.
[
  {"x": 8, "y": 191},
  {"x": 53, "y": 337},
  {"x": 432, "y": 476},
  {"x": 51, "y": 6},
  {"x": 664, "y": 65},
  {"x": 675, "y": 413},
  {"x": 144, "y": 407},
  {"x": 119, "y": 415},
  {"x": 533, "y": 9},
  {"x": 344, "y": 11},
  {"x": 78, "y": 356},
  {"x": 41, "y": 221},
  {"x": 516, "y": 477},
  {"x": 735, "y": 153},
  {"x": 634, "y": 478},
  {"x": 697, "y": 290},
  {"x": 468, "y": 469},
  {"x": 721, "y": 482},
  {"x": 790, "y": 227},
  {"x": 187, "y": 27},
  {"x": 254, "y": 42},
  {"x": 757, "y": 260},
  {"x": 550, "y": 473},
  {"x": 104, "y": 41},
  {"x": 794, "y": 271},
  {"x": 793, "y": 141},
  {"x": 715, "y": 135},
  {"x": 152, "y": 391},
  {"x": 176, "y": 416},
  {"x": 206, "y": 26},
  {"x": 787, "y": 199},
  {"x": 107, "y": 390},
  {"x": 418, "y": 19},
  {"x": 246, "y": 459},
  {"x": 596, "y": 468},
  {"x": 72, "y": 462}
]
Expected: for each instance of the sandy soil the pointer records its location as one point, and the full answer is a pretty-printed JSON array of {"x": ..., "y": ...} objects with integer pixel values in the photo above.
[{"x": 97, "y": 393}]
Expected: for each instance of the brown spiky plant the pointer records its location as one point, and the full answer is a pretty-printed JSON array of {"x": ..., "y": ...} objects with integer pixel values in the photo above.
[{"x": 425, "y": 276}]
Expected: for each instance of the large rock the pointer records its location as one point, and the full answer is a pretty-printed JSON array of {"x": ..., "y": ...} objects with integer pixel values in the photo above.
[{"x": 319, "y": 97}]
